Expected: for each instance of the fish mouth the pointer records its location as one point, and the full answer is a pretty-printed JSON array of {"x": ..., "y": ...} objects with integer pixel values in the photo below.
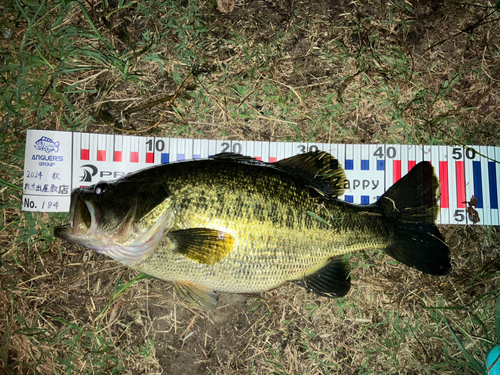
[
  {"x": 126, "y": 242},
  {"x": 84, "y": 219}
]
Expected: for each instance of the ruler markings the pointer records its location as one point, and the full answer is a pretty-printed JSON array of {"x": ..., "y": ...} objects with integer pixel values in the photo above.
[
  {"x": 427, "y": 156},
  {"x": 469, "y": 184},
  {"x": 144, "y": 157},
  {"x": 204, "y": 148},
  {"x": 189, "y": 154},
  {"x": 150, "y": 150},
  {"x": 375, "y": 153},
  {"x": 273, "y": 152},
  {"x": 404, "y": 161},
  {"x": 397, "y": 171},
  {"x": 460, "y": 170},
  {"x": 135, "y": 154},
  {"x": 412, "y": 157},
  {"x": 478, "y": 191},
  {"x": 495, "y": 155},
  {"x": 101, "y": 147},
  {"x": 442, "y": 160},
  {"x": 341, "y": 153},
  {"x": 493, "y": 186},
  {"x": 486, "y": 206},
  {"x": 348, "y": 166},
  {"x": 370, "y": 169},
  {"x": 181, "y": 147},
  {"x": 110, "y": 140},
  {"x": 85, "y": 146},
  {"x": 358, "y": 184},
  {"x": 267, "y": 147},
  {"x": 492, "y": 177},
  {"x": 397, "y": 160},
  {"x": 118, "y": 148},
  {"x": 257, "y": 150},
  {"x": 92, "y": 141},
  {"x": 388, "y": 168},
  {"x": 393, "y": 153},
  {"x": 434, "y": 159},
  {"x": 134, "y": 151},
  {"x": 264, "y": 146},
  {"x": 488, "y": 189},
  {"x": 126, "y": 149},
  {"x": 197, "y": 149},
  {"x": 93, "y": 148},
  {"x": 452, "y": 186}
]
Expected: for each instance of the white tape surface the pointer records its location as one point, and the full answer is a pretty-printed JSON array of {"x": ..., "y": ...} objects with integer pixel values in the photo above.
[{"x": 57, "y": 162}]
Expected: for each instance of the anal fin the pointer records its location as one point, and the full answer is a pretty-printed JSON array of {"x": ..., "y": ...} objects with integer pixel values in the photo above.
[
  {"x": 330, "y": 281},
  {"x": 197, "y": 295}
]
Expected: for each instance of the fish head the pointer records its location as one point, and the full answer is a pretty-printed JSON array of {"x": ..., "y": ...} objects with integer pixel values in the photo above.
[{"x": 123, "y": 219}]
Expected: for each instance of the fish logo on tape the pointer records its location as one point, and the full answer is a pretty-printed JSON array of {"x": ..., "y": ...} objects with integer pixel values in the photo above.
[{"x": 46, "y": 144}]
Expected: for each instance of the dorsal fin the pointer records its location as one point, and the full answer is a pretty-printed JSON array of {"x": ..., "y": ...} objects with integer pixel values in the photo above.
[
  {"x": 320, "y": 167},
  {"x": 317, "y": 166},
  {"x": 234, "y": 157}
]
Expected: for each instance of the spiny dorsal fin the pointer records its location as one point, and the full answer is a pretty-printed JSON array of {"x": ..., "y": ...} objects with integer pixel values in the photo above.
[
  {"x": 206, "y": 246},
  {"x": 332, "y": 280},
  {"x": 197, "y": 295},
  {"x": 320, "y": 167}
]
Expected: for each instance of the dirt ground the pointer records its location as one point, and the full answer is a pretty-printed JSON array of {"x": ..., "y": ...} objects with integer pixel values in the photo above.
[{"x": 386, "y": 323}]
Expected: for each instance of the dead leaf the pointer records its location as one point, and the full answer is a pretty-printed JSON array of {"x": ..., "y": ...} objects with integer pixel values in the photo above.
[
  {"x": 471, "y": 210},
  {"x": 226, "y": 6}
]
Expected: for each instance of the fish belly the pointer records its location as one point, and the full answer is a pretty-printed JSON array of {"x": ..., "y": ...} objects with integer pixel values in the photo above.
[{"x": 263, "y": 258}]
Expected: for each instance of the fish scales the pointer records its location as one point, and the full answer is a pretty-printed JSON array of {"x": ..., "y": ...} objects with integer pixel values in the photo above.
[{"x": 267, "y": 213}]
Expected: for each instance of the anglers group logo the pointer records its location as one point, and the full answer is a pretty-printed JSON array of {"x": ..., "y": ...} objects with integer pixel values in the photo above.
[
  {"x": 89, "y": 171},
  {"x": 46, "y": 144}
]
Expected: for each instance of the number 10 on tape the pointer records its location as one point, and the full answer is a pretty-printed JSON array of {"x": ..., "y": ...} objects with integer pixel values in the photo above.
[{"x": 57, "y": 162}]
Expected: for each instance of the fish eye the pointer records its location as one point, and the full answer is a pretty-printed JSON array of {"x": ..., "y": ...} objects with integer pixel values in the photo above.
[{"x": 100, "y": 189}]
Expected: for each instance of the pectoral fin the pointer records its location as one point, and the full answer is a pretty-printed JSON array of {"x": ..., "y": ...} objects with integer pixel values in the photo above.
[
  {"x": 332, "y": 280},
  {"x": 197, "y": 295},
  {"x": 205, "y": 246}
]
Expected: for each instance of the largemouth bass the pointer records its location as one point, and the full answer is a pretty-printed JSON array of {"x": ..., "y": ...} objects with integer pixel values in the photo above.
[{"x": 232, "y": 223}]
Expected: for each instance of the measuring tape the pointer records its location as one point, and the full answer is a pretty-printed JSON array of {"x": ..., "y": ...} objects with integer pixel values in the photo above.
[{"x": 57, "y": 162}]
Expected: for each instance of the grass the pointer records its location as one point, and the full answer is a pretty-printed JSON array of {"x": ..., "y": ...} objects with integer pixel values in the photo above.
[{"x": 349, "y": 72}]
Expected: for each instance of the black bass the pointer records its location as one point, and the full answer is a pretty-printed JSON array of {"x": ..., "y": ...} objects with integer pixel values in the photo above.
[{"x": 231, "y": 223}]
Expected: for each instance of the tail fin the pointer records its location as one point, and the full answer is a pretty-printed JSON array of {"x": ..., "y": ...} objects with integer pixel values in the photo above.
[{"x": 412, "y": 205}]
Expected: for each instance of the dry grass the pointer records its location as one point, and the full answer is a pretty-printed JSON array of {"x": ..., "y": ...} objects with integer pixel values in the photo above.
[{"x": 347, "y": 72}]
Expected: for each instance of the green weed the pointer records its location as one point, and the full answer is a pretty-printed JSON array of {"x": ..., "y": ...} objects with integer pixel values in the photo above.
[{"x": 350, "y": 75}]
